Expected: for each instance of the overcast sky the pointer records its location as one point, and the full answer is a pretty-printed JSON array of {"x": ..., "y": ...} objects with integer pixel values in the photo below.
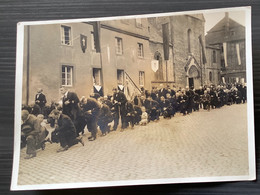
[{"x": 213, "y": 18}]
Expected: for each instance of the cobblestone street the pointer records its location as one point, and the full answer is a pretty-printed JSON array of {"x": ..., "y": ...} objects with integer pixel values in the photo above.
[{"x": 197, "y": 145}]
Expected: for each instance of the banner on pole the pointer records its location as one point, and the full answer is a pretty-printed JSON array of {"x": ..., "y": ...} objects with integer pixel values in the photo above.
[
  {"x": 166, "y": 40},
  {"x": 155, "y": 65},
  {"x": 225, "y": 53}
]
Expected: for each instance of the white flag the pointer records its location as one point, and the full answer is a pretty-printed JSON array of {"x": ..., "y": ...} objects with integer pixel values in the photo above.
[
  {"x": 238, "y": 54},
  {"x": 225, "y": 53},
  {"x": 223, "y": 80},
  {"x": 108, "y": 54},
  {"x": 121, "y": 87},
  {"x": 98, "y": 87},
  {"x": 155, "y": 65}
]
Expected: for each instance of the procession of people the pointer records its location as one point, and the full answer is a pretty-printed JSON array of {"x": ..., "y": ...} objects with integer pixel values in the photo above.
[{"x": 112, "y": 112}]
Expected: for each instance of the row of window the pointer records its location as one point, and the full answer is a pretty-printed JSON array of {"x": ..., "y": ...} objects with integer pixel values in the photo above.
[
  {"x": 66, "y": 39},
  {"x": 67, "y": 76}
]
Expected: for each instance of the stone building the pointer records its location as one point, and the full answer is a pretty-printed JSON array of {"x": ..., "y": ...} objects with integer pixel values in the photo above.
[
  {"x": 98, "y": 56},
  {"x": 186, "y": 51},
  {"x": 228, "y": 37},
  {"x": 213, "y": 66}
]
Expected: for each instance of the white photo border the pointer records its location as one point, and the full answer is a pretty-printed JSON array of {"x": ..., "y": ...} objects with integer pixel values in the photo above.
[{"x": 18, "y": 103}]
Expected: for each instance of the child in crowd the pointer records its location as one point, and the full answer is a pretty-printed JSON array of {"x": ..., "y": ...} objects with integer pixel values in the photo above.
[{"x": 144, "y": 116}]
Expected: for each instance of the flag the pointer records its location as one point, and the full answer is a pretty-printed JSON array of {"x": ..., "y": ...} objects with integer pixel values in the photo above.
[
  {"x": 83, "y": 42},
  {"x": 204, "y": 60},
  {"x": 166, "y": 39},
  {"x": 108, "y": 54},
  {"x": 238, "y": 54},
  {"x": 223, "y": 80},
  {"x": 131, "y": 88},
  {"x": 96, "y": 28},
  {"x": 225, "y": 53},
  {"x": 155, "y": 65}
]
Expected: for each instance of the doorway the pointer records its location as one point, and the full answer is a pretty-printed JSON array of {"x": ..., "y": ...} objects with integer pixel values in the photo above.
[{"x": 191, "y": 82}]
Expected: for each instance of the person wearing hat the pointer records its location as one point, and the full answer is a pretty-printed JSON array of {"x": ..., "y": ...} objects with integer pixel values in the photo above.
[
  {"x": 30, "y": 130},
  {"x": 66, "y": 131}
]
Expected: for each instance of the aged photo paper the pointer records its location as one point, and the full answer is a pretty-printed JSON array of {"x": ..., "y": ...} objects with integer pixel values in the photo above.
[{"x": 134, "y": 100}]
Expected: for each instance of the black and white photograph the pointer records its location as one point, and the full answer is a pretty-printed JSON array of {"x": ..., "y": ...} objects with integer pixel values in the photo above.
[{"x": 134, "y": 100}]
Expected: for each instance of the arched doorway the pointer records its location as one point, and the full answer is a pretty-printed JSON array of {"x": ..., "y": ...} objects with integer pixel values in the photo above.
[
  {"x": 159, "y": 72},
  {"x": 193, "y": 77}
]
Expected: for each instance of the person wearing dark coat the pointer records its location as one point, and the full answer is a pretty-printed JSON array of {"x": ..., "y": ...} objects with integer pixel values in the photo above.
[
  {"x": 91, "y": 110},
  {"x": 108, "y": 102},
  {"x": 31, "y": 128},
  {"x": 238, "y": 96},
  {"x": 137, "y": 114},
  {"x": 206, "y": 99},
  {"x": 153, "y": 109},
  {"x": 104, "y": 118},
  {"x": 119, "y": 100},
  {"x": 196, "y": 100},
  {"x": 189, "y": 103},
  {"x": 243, "y": 94},
  {"x": 35, "y": 109},
  {"x": 127, "y": 115},
  {"x": 182, "y": 101},
  {"x": 40, "y": 99},
  {"x": 172, "y": 106},
  {"x": 200, "y": 92},
  {"x": 70, "y": 102},
  {"x": 66, "y": 131},
  {"x": 162, "y": 91},
  {"x": 164, "y": 107}
]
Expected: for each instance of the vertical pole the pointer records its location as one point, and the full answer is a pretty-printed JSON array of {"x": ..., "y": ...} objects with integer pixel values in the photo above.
[
  {"x": 28, "y": 65},
  {"x": 166, "y": 72},
  {"x": 201, "y": 67}
]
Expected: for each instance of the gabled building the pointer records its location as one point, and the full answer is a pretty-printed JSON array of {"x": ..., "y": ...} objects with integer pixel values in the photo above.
[
  {"x": 98, "y": 56},
  {"x": 227, "y": 40}
]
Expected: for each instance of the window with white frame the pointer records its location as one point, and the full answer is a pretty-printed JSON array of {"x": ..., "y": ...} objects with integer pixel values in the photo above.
[
  {"x": 119, "y": 45},
  {"x": 66, "y": 35},
  {"x": 67, "y": 75},
  {"x": 92, "y": 41},
  {"x": 141, "y": 78},
  {"x": 138, "y": 22},
  {"x": 120, "y": 77},
  {"x": 140, "y": 50},
  {"x": 97, "y": 76}
]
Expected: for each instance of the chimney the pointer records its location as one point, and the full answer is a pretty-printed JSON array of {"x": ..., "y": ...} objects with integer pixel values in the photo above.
[{"x": 226, "y": 24}]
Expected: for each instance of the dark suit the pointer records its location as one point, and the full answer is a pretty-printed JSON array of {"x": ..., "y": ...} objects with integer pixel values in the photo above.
[
  {"x": 127, "y": 115},
  {"x": 72, "y": 108},
  {"x": 66, "y": 131},
  {"x": 119, "y": 100},
  {"x": 162, "y": 92},
  {"x": 40, "y": 99},
  {"x": 94, "y": 107},
  {"x": 104, "y": 118}
]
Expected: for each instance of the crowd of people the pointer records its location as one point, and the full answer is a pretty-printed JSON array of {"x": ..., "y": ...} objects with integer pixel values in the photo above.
[{"x": 106, "y": 113}]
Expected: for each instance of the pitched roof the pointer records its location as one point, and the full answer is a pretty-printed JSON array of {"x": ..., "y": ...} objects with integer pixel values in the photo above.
[{"x": 225, "y": 30}]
